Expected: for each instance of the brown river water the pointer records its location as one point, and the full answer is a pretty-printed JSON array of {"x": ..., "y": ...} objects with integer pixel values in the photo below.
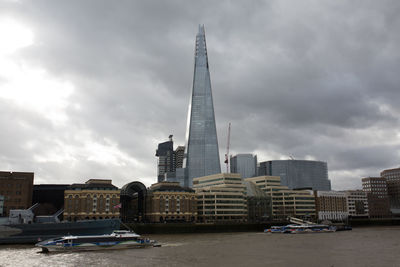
[{"x": 375, "y": 246}]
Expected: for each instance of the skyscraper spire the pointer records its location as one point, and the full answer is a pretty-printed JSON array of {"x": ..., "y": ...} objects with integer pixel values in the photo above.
[{"x": 202, "y": 155}]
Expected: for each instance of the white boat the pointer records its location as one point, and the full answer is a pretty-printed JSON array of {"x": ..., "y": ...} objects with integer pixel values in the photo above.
[
  {"x": 117, "y": 240},
  {"x": 301, "y": 227}
]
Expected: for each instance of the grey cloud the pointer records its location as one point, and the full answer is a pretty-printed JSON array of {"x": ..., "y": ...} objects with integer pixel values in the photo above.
[{"x": 303, "y": 79}]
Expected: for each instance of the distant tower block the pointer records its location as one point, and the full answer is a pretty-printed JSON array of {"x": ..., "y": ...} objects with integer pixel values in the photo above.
[{"x": 202, "y": 155}]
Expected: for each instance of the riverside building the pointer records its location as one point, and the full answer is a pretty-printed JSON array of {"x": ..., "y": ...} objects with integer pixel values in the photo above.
[
  {"x": 259, "y": 208},
  {"x": 95, "y": 199},
  {"x": 16, "y": 188},
  {"x": 298, "y": 173},
  {"x": 331, "y": 205},
  {"x": 286, "y": 202},
  {"x": 170, "y": 202},
  {"x": 392, "y": 177},
  {"x": 377, "y": 196},
  {"x": 221, "y": 197},
  {"x": 357, "y": 203}
]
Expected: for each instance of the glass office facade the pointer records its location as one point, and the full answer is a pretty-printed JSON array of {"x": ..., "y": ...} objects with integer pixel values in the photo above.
[
  {"x": 298, "y": 173},
  {"x": 202, "y": 155},
  {"x": 245, "y": 164}
]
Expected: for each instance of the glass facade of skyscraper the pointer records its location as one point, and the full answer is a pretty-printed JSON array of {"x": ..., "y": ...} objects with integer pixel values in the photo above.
[
  {"x": 298, "y": 173},
  {"x": 245, "y": 164},
  {"x": 202, "y": 155}
]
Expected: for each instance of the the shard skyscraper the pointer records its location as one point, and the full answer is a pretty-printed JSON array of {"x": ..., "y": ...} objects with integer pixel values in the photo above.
[{"x": 201, "y": 155}]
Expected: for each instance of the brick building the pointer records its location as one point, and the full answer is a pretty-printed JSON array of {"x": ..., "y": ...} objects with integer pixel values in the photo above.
[
  {"x": 16, "y": 187},
  {"x": 377, "y": 195},
  {"x": 95, "y": 199},
  {"x": 170, "y": 202},
  {"x": 331, "y": 205}
]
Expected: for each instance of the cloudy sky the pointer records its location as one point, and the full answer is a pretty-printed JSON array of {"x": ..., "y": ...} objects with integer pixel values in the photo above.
[{"x": 89, "y": 88}]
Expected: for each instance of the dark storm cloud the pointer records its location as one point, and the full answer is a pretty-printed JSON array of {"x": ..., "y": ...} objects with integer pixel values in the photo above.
[{"x": 315, "y": 79}]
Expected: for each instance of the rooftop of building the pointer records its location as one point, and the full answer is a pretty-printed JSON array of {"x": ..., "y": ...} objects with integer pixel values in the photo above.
[
  {"x": 253, "y": 190},
  {"x": 50, "y": 186},
  {"x": 10, "y": 175},
  {"x": 294, "y": 160},
  {"x": 320, "y": 193},
  {"x": 169, "y": 187},
  {"x": 391, "y": 170},
  {"x": 94, "y": 184},
  {"x": 263, "y": 177},
  {"x": 365, "y": 179},
  {"x": 98, "y": 181},
  {"x": 218, "y": 175},
  {"x": 243, "y": 155}
]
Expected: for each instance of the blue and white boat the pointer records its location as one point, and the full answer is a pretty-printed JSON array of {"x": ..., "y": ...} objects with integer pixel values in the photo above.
[
  {"x": 275, "y": 229},
  {"x": 301, "y": 227},
  {"x": 117, "y": 240}
]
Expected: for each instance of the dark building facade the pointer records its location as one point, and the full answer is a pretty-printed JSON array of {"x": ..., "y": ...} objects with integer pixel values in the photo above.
[
  {"x": 50, "y": 197},
  {"x": 166, "y": 160},
  {"x": 133, "y": 202},
  {"x": 377, "y": 196},
  {"x": 392, "y": 177},
  {"x": 259, "y": 204},
  {"x": 298, "y": 173},
  {"x": 179, "y": 155},
  {"x": 16, "y": 187}
]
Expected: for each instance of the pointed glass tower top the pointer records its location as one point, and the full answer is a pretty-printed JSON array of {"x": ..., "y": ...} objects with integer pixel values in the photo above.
[{"x": 202, "y": 155}]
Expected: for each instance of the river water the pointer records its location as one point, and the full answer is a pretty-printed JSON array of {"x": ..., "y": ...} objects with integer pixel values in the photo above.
[{"x": 377, "y": 246}]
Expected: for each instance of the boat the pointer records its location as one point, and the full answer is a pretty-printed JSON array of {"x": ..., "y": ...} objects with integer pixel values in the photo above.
[
  {"x": 275, "y": 229},
  {"x": 23, "y": 227},
  {"x": 121, "y": 239},
  {"x": 301, "y": 227}
]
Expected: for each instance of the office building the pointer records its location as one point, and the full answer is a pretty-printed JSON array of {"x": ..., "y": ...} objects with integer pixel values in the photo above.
[
  {"x": 221, "y": 197},
  {"x": 286, "y": 202},
  {"x": 357, "y": 203},
  {"x": 298, "y": 173},
  {"x": 377, "y": 196},
  {"x": 170, "y": 202},
  {"x": 245, "y": 164},
  {"x": 331, "y": 205},
  {"x": 392, "y": 177},
  {"x": 95, "y": 199},
  {"x": 166, "y": 159},
  {"x": 179, "y": 155},
  {"x": 202, "y": 155},
  {"x": 16, "y": 187}
]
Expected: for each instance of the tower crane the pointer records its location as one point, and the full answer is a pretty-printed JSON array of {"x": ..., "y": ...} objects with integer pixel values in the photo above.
[{"x": 227, "y": 149}]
